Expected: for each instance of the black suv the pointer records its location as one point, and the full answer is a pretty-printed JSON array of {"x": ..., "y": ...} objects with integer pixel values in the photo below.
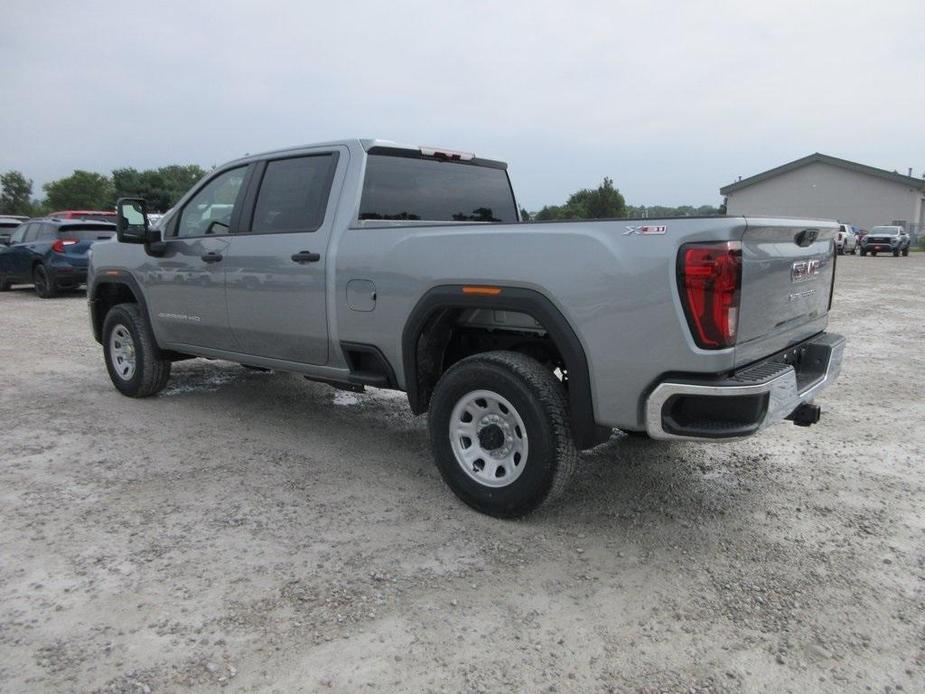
[
  {"x": 886, "y": 239},
  {"x": 51, "y": 254}
]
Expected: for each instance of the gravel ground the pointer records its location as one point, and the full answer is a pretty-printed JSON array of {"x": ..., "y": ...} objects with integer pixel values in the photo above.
[{"x": 254, "y": 531}]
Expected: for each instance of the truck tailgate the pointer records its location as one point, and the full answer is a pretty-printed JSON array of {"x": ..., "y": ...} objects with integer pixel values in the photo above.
[{"x": 787, "y": 271}]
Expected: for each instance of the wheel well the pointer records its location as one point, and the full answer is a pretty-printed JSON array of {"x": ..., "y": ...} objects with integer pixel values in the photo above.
[
  {"x": 105, "y": 296},
  {"x": 443, "y": 329},
  {"x": 448, "y": 336}
]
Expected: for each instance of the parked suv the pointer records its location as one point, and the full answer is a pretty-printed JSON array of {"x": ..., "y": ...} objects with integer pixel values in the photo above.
[
  {"x": 846, "y": 240},
  {"x": 366, "y": 263},
  {"x": 50, "y": 254},
  {"x": 886, "y": 239}
]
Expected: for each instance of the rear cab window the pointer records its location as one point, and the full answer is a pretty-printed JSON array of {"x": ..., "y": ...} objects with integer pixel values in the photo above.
[{"x": 404, "y": 185}]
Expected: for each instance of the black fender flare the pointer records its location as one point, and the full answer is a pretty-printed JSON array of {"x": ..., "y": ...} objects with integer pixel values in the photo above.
[
  {"x": 112, "y": 276},
  {"x": 587, "y": 432}
]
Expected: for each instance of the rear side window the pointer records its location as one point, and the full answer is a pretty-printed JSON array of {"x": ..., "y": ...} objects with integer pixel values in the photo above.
[
  {"x": 294, "y": 194},
  {"x": 46, "y": 232},
  {"x": 412, "y": 188}
]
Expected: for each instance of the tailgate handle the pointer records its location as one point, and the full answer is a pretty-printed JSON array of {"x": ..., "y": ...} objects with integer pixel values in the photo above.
[{"x": 806, "y": 237}]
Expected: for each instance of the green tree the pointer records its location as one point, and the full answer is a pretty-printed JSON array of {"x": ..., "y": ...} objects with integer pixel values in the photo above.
[
  {"x": 15, "y": 193},
  {"x": 161, "y": 188},
  {"x": 603, "y": 202},
  {"x": 82, "y": 190}
]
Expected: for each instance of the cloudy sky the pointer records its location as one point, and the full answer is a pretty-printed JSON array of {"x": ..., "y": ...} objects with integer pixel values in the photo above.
[{"x": 670, "y": 99}]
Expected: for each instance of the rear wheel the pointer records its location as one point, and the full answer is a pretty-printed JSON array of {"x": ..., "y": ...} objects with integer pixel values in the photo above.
[
  {"x": 500, "y": 433},
  {"x": 134, "y": 361},
  {"x": 5, "y": 284},
  {"x": 874, "y": 253},
  {"x": 44, "y": 285}
]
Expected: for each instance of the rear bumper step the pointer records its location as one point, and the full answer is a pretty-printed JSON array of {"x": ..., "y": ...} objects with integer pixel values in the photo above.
[{"x": 758, "y": 396}]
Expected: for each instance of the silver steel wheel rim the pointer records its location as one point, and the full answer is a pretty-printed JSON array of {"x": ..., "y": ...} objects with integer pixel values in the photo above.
[
  {"x": 122, "y": 352},
  {"x": 488, "y": 438}
]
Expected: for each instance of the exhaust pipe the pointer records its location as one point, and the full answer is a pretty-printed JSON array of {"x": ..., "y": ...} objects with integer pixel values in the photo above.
[{"x": 805, "y": 415}]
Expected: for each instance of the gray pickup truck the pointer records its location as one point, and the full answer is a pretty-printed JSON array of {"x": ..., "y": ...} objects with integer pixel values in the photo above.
[{"x": 366, "y": 263}]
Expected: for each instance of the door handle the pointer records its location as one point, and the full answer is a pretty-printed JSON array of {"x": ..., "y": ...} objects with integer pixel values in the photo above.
[
  {"x": 211, "y": 257},
  {"x": 306, "y": 257}
]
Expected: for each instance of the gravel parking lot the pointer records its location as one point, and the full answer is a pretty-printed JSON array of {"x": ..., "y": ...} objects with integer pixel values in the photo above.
[{"x": 255, "y": 531}]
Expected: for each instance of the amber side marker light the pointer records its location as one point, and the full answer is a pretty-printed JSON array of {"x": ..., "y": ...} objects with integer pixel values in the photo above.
[{"x": 482, "y": 291}]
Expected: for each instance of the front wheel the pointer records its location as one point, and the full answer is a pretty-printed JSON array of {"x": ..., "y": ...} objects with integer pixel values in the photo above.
[
  {"x": 5, "y": 284},
  {"x": 500, "y": 433},
  {"x": 133, "y": 359},
  {"x": 905, "y": 251},
  {"x": 863, "y": 252}
]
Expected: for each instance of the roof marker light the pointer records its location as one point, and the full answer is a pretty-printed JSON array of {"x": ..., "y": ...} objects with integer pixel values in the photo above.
[{"x": 482, "y": 291}]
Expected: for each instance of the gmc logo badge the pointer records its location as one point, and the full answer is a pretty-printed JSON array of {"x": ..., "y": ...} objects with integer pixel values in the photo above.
[{"x": 803, "y": 270}]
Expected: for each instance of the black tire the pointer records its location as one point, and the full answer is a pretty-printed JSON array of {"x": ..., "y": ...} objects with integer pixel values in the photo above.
[
  {"x": 854, "y": 251},
  {"x": 839, "y": 250},
  {"x": 5, "y": 284},
  {"x": 43, "y": 283},
  {"x": 539, "y": 400},
  {"x": 896, "y": 253},
  {"x": 905, "y": 251},
  {"x": 863, "y": 252},
  {"x": 874, "y": 253},
  {"x": 151, "y": 370}
]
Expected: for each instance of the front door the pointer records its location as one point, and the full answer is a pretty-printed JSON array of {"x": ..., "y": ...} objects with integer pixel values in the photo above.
[
  {"x": 185, "y": 287},
  {"x": 275, "y": 268}
]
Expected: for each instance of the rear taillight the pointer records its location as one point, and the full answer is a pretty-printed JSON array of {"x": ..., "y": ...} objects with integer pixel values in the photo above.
[
  {"x": 58, "y": 246},
  {"x": 710, "y": 279}
]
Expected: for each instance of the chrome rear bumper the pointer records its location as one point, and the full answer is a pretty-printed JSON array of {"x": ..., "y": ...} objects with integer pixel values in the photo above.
[{"x": 750, "y": 400}]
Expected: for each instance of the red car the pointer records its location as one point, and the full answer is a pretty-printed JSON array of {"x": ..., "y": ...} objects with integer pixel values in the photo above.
[{"x": 89, "y": 215}]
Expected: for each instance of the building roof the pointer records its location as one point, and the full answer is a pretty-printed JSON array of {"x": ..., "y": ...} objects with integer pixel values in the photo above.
[{"x": 816, "y": 157}]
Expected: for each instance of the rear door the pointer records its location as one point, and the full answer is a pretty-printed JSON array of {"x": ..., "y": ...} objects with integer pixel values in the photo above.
[
  {"x": 185, "y": 287},
  {"x": 787, "y": 271},
  {"x": 275, "y": 268}
]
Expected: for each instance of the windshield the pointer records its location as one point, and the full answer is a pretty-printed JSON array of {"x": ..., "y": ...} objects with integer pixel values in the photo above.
[
  {"x": 419, "y": 188},
  {"x": 885, "y": 231}
]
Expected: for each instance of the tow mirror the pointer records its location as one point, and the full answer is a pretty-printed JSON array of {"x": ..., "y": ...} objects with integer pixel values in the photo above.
[{"x": 131, "y": 220}]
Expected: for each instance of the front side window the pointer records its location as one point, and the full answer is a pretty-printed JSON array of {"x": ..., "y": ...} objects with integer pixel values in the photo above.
[
  {"x": 413, "y": 188},
  {"x": 209, "y": 211},
  {"x": 294, "y": 194},
  {"x": 20, "y": 234}
]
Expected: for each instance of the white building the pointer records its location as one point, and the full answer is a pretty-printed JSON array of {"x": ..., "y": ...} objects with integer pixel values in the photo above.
[{"x": 831, "y": 188}]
